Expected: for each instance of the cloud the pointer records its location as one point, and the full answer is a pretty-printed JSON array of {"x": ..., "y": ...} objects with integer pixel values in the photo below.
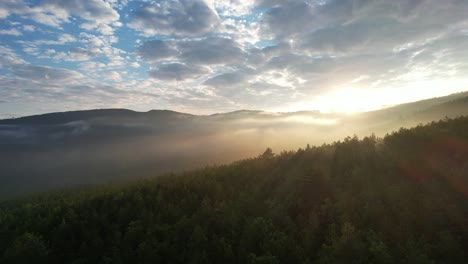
[
  {"x": 46, "y": 74},
  {"x": 180, "y": 17},
  {"x": 155, "y": 50},
  {"x": 99, "y": 14},
  {"x": 66, "y": 38},
  {"x": 61, "y": 40},
  {"x": 335, "y": 42},
  {"x": 286, "y": 19},
  {"x": 234, "y": 7},
  {"x": 9, "y": 7},
  {"x": 29, "y": 28},
  {"x": 13, "y": 32},
  {"x": 135, "y": 64},
  {"x": 8, "y": 57},
  {"x": 226, "y": 79},
  {"x": 311, "y": 48},
  {"x": 211, "y": 50},
  {"x": 368, "y": 18},
  {"x": 76, "y": 54},
  {"x": 205, "y": 51},
  {"x": 177, "y": 72},
  {"x": 113, "y": 75},
  {"x": 96, "y": 47}
]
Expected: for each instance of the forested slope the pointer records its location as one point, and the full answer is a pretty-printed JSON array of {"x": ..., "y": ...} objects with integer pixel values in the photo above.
[{"x": 400, "y": 199}]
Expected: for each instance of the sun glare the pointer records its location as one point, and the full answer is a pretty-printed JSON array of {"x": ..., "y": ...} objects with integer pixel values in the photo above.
[
  {"x": 351, "y": 100},
  {"x": 348, "y": 100}
]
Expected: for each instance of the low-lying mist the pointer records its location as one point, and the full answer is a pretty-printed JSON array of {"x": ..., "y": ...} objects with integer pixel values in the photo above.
[{"x": 46, "y": 152}]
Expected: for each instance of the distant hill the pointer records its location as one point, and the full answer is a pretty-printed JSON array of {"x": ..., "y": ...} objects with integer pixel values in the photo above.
[
  {"x": 410, "y": 114},
  {"x": 89, "y": 115},
  {"x": 57, "y": 150}
]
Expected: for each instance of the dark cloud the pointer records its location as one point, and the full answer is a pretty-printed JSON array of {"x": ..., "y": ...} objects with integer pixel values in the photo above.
[
  {"x": 298, "y": 19},
  {"x": 80, "y": 54},
  {"x": 174, "y": 17},
  {"x": 337, "y": 39},
  {"x": 8, "y": 7},
  {"x": 154, "y": 50},
  {"x": 176, "y": 71},
  {"x": 212, "y": 50},
  {"x": 45, "y": 74},
  {"x": 226, "y": 79},
  {"x": 286, "y": 19}
]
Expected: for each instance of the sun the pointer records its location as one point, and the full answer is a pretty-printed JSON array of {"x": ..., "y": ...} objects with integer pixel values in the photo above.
[
  {"x": 348, "y": 100},
  {"x": 351, "y": 99}
]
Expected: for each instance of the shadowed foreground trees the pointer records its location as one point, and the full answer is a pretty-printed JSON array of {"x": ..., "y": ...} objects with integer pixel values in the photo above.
[{"x": 400, "y": 199}]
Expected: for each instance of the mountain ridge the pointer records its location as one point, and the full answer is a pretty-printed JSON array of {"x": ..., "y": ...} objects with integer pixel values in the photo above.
[{"x": 105, "y": 112}]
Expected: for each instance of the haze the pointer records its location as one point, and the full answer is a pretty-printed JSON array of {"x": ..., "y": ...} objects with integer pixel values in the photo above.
[{"x": 53, "y": 151}]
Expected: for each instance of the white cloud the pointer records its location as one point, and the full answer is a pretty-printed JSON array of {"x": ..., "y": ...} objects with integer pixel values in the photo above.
[
  {"x": 66, "y": 38},
  {"x": 92, "y": 66},
  {"x": 9, "y": 58},
  {"x": 135, "y": 65},
  {"x": 13, "y": 32},
  {"x": 76, "y": 54},
  {"x": 233, "y": 7},
  {"x": 113, "y": 75},
  {"x": 99, "y": 14},
  {"x": 29, "y": 28}
]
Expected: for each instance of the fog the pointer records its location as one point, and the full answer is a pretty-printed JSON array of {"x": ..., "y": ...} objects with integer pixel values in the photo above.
[{"x": 53, "y": 151}]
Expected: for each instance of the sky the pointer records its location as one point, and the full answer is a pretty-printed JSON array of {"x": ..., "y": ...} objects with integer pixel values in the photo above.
[{"x": 214, "y": 56}]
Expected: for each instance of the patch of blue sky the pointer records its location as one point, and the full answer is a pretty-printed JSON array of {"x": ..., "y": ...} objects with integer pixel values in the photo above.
[
  {"x": 126, "y": 39},
  {"x": 131, "y": 6},
  {"x": 139, "y": 73},
  {"x": 33, "y": 2},
  {"x": 248, "y": 18},
  {"x": 260, "y": 10},
  {"x": 265, "y": 44},
  {"x": 8, "y": 25},
  {"x": 5, "y": 73}
]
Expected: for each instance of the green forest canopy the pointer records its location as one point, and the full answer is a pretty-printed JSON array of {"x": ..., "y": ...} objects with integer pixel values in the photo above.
[{"x": 399, "y": 199}]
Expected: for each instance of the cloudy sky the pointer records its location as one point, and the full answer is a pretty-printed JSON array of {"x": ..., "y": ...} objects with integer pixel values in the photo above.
[{"x": 223, "y": 55}]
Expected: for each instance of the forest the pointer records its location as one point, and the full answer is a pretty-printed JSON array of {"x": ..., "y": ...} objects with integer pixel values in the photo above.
[{"x": 401, "y": 198}]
